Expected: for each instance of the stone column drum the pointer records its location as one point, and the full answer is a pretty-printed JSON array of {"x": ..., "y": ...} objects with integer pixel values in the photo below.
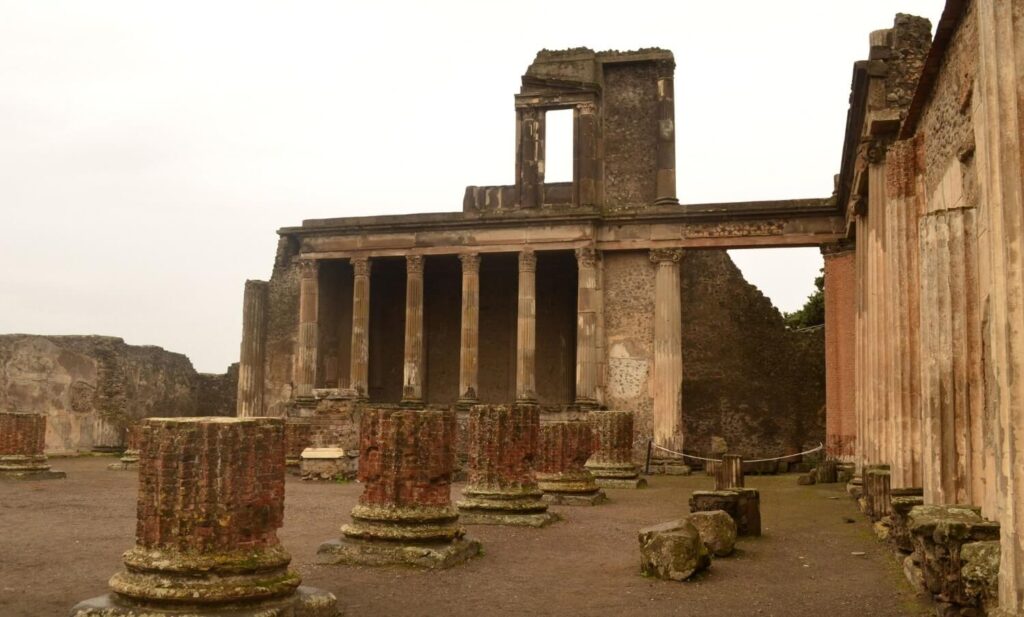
[
  {"x": 502, "y": 483},
  {"x": 405, "y": 514},
  {"x": 130, "y": 458},
  {"x": 612, "y": 462},
  {"x": 562, "y": 474},
  {"x": 729, "y": 472},
  {"x": 22, "y": 443},
  {"x": 211, "y": 498}
]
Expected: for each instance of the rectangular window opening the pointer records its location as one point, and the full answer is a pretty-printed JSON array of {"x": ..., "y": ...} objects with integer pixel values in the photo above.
[{"x": 558, "y": 145}]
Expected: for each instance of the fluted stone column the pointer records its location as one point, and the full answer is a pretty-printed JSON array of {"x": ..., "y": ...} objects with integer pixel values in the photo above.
[
  {"x": 253, "y": 353},
  {"x": 999, "y": 158},
  {"x": 412, "y": 389},
  {"x": 469, "y": 354},
  {"x": 306, "y": 351},
  {"x": 360, "y": 365},
  {"x": 405, "y": 513},
  {"x": 210, "y": 502},
  {"x": 612, "y": 461},
  {"x": 526, "y": 328},
  {"x": 562, "y": 454},
  {"x": 666, "y": 154},
  {"x": 586, "y": 327},
  {"x": 502, "y": 488},
  {"x": 529, "y": 156},
  {"x": 668, "y": 352},
  {"x": 729, "y": 473},
  {"x": 22, "y": 447}
]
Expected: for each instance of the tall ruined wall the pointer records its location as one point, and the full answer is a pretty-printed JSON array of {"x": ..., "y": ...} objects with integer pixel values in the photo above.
[
  {"x": 745, "y": 377},
  {"x": 91, "y": 387}
]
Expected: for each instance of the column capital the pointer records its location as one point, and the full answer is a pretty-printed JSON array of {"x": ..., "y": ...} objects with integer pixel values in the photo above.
[
  {"x": 527, "y": 260},
  {"x": 587, "y": 107},
  {"x": 414, "y": 264},
  {"x": 360, "y": 265},
  {"x": 666, "y": 256},
  {"x": 586, "y": 257},
  {"x": 307, "y": 267},
  {"x": 470, "y": 262}
]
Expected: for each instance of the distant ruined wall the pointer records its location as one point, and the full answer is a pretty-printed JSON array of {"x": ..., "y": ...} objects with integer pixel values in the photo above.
[
  {"x": 92, "y": 387},
  {"x": 746, "y": 378}
]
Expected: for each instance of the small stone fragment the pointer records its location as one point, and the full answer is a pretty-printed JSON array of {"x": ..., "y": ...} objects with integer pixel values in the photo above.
[
  {"x": 672, "y": 550},
  {"x": 717, "y": 530}
]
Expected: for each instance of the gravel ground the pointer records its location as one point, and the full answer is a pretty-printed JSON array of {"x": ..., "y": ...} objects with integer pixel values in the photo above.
[{"x": 61, "y": 540}]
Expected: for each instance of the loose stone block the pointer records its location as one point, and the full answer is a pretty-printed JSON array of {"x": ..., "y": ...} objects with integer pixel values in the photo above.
[
  {"x": 211, "y": 498},
  {"x": 900, "y": 530},
  {"x": 827, "y": 472},
  {"x": 742, "y": 504},
  {"x": 877, "y": 484},
  {"x": 502, "y": 446},
  {"x": 22, "y": 444},
  {"x": 938, "y": 534},
  {"x": 563, "y": 450},
  {"x": 980, "y": 573},
  {"x": 717, "y": 530},
  {"x": 327, "y": 464},
  {"x": 405, "y": 514},
  {"x": 612, "y": 463},
  {"x": 729, "y": 473},
  {"x": 672, "y": 550}
]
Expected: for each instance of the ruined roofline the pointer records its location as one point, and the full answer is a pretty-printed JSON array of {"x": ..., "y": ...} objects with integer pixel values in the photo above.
[
  {"x": 952, "y": 14},
  {"x": 704, "y": 212}
]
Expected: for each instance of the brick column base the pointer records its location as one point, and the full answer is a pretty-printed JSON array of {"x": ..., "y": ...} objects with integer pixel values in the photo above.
[{"x": 561, "y": 472}]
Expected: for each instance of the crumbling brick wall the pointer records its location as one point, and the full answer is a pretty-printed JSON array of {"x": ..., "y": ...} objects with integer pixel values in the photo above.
[{"x": 92, "y": 387}]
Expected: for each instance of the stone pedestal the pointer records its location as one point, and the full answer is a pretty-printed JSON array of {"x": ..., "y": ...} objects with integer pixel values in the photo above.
[
  {"x": 130, "y": 458},
  {"x": 827, "y": 472},
  {"x": 563, "y": 450},
  {"x": 22, "y": 443},
  {"x": 876, "y": 481},
  {"x": 405, "y": 514},
  {"x": 742, "y": 504},
  {"x": 502, "y": 486},
  {"x": 938, "y": 534},
  {"x": 612, "y": 463},
  {"x": 900, "y": 508},
  {"x": 211, "y": 498},
  {"x": 331, "y": 463},
  {"x": 729, "y": 473}
]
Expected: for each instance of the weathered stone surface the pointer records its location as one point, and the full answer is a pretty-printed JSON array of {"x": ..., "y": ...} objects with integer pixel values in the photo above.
[
  {"x": 211, "y": 498},
  {"x": 22, "y": 439},
  {"x": 827, "y": 472},
  {"x": 805, "y": 479},
  {"x": 405, "y": 514},
  {"x": 900, "y": 532},
  {"x": 503, "y": 486},
  {"x": 92, "y": 387},
  {"x": 327, "y": 464},
  {"x": 717, "y": 530},
  {"x": 980, "y": 572},
  {"x": 855, "y": 487},
  {"x": 743, "y": 505},
  {"x": 729, "y": 473},
  {"x": 877, "y": 487},
  {"x": 938, "y": 534},
  {"x": 563, "y": 450},
  {"x": 612, "y": 462},
  {"x": 672, "y": 550}
]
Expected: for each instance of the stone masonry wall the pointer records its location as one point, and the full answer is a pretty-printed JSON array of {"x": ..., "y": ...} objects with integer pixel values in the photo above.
[
  {"x": 745, "y": 377},
  {"x": 92, "y": 387}
]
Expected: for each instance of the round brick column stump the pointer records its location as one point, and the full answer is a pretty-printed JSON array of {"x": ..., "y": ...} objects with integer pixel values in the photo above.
[
  {"x": 563, "y": 451},
  {"x": 612, "y": 463},
  {"x": 405, "y": 514},
  {"x": 211, "y": 498},
  {"x": 502, "y": 486},
  {"x": 22, "y": 445}
]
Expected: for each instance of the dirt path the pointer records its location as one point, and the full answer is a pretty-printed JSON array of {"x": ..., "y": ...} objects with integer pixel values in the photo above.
[{"x": 61, "y": 540}]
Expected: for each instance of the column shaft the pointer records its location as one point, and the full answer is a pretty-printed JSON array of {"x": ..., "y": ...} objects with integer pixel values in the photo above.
[
  {"x": 526, "y": 328},
  {"x": 840, "y": 323},
  {"x": 668, "y": 352},
  {"x": 529, "y": 156},
  {"x": 253, "y": 352},
  {"x": 586, "y": 327},
  {"x": 306, "y": 353},
  {"x": 359, "y": 366},
  {"x": 412, "y": 390},
  {"x": 469, "y": 354},
  {"x": 666, "y": 155}
]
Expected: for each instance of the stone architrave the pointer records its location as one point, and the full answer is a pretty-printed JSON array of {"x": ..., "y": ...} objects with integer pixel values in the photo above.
[
  {"x": 729, "y": 472},
  {"x": 612, "y": 462},
  {"x": 502, "y": 486},
  {"x": 562, "y": 474},
  {"x": 405, "y": 513},
  {"x": 211, "y": 498},
  {"x": 22, "y": 443}
]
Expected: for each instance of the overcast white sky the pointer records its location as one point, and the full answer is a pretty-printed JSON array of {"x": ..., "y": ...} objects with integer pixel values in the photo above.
[{"x": 149, "y": 150}]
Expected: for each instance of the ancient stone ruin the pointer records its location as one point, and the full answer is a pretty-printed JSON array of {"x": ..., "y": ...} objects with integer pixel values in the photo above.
[
  {"x": 563, "y": 451},
  {"x": 502, "y": 487},
  {"x": 612, "y": 463},
  {"x": 211, "y": 498},
  {"x": 405, "y": 513},
  {"x": 22, "y": 437}
]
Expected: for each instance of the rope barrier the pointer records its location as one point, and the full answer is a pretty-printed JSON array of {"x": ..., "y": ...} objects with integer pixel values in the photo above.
[{"x": 821, "y": 446}]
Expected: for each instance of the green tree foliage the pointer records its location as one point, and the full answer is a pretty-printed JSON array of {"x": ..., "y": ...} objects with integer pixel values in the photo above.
[{"x": 813, "y": 311}]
